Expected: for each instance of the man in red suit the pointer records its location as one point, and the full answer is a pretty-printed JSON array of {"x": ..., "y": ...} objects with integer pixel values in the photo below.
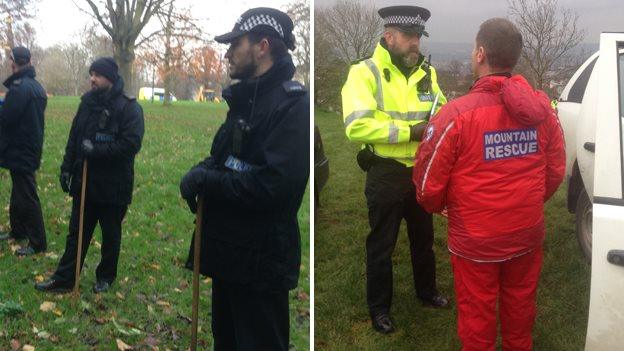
[{"x": 491, "y": 159}]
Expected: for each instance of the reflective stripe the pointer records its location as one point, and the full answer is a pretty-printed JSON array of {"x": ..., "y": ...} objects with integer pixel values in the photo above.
[
  {"x": 408, "y": 116},
  {"x": 405, "y": 159},
  {"x": 422, "y": 189},
  {"x": 357, "y": 115},
  {"x": 393, "y": 136},
  {"x": 379, "y": 96}
]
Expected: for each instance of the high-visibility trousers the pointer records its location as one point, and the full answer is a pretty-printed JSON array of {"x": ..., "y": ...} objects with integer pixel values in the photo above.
[{"x": 480, "y": 286}]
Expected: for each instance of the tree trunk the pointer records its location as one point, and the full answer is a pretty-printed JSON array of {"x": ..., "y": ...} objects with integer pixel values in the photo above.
[
  {"x": 167, "y": 58},
  {"x": 10, "y": 36},
  {"x": 124, "y": 56}
]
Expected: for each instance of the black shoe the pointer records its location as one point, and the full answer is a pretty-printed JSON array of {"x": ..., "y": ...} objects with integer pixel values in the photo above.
[
  {"x": 101, "y": 286},
  {"x": 383, "y": 324},
  {"x": 437, "y": 301},
  {"x": 54, "y": 286},
  {"x": 26, "y": 251},
  {"x": 10, "y": 236}
]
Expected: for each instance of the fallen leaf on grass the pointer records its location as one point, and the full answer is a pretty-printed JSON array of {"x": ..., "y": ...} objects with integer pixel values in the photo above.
[
  {"x": 120, "y": 295},
  {"x": 39, "y": 278},
  {"x": 47, "y": 306},
  {"x": 85, "y": 305},
  {"x": 302, "y": 296},
  {"x": 163, "y": 303},
  {"x": 150, "y": 340},
  {"x": 15, "y": 345},
  {"x": 51, "y": 255},
  {"x": 131, "y": 331},
  {"x": 122, "y": 346},
  {"x": 28, "y": 348},
  {"x": 43, "y": 335},
  {"x": 185, "y": 318},
  {"x": 57, "y": 312}
]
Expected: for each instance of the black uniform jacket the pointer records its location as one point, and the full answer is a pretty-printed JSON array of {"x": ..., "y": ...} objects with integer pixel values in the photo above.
[
  {"x": 22, "y": 122},
  {"x": 250, "y": 232},
  {"x": 114, "y": 123}
]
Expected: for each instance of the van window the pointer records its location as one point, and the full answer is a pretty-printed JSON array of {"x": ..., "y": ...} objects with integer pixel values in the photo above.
[{"x": 578, "y": 89}]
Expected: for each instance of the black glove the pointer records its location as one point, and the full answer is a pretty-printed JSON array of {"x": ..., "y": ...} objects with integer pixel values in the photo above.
[
  {"x": 198, "y": 180},
  {"x": 416, "y": 131},
  {"x": 192, "y": 183},
  {"x": 87, "y": 147},
  {"x": 65, "y": 180}
]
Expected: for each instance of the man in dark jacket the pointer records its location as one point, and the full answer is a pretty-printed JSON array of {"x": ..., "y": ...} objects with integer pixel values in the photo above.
[
  {"x": 252, "y": 184},
  {"x": 107, "y": 132},
  {"x": 21, "y": 143}
]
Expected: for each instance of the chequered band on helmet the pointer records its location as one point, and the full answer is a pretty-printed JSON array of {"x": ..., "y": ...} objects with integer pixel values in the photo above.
[
  {"x": 404, "y": 20},
  {"x": 261, "y": 19}
]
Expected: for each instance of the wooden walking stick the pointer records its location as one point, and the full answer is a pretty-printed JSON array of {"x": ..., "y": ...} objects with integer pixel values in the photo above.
[
  {"x": 83, "y": 194},
  {"x": 196, "y": 253}
]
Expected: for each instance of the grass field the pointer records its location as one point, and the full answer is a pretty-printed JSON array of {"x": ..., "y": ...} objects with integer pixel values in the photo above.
[
  {"x": 341, "y": 314},
  {"x": 149, "y": 306}
]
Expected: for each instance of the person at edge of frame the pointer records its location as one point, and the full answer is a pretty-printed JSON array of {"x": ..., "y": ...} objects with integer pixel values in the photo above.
[
  {"x": 106, "y": 132},
  {"x": 252, "y": 185},
  {"x": 387, "y": 100},
  {"x": 493, "y": 158},
  {"x": 21, "y": 146}
]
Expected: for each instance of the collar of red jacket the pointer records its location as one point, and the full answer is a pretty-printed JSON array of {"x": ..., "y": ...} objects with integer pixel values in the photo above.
[{"x": 528, "y": 106}]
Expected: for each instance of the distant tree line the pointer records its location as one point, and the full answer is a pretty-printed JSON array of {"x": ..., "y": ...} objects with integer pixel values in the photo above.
[
  {"x": 350, "y": 29},
  {"x": 178, "y": 55}
]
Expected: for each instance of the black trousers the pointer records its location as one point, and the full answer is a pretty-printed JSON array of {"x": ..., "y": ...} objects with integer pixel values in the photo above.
[
  {"x": 25, "y": 211},
  {"x": 391, "y": 197},
  {"x": 110, "y": 218},
  {"x": 246, "y": 319}
]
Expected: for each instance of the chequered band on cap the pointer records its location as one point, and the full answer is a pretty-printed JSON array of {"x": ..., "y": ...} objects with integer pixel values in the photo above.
[
  {"x": 405, "y": 20},
  {"x": 260, "y": 19}
]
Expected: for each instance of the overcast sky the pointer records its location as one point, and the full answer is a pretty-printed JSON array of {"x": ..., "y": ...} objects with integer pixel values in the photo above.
[
  {"x": 60, "y": 21},
  {"x": 458, "y": 20}
]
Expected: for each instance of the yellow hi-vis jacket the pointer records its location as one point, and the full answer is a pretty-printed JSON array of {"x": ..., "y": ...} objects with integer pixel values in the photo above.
[{"x": 379, "y": 105}]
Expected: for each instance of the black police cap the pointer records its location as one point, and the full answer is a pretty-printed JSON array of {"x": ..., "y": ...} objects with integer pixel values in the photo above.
[
  {"x": 20, "y": 55},
  {"x": 409, "y": 19},
  {"x": 264, "y": 20}
]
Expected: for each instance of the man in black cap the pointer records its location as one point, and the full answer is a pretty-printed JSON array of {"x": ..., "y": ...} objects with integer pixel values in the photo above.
[
  {"x": 21, "y": 144},
  {"x": 387, "y": 101},
  {"x": 252, "y": 185},
  {"x": 107, "y": 131}
]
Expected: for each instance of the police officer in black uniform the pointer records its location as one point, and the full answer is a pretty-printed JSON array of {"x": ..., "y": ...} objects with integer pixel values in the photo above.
[
  {"x": 107, "y": 131},
  {"x": 252, "y": 184},
  {"x": 21, "y": 144}
]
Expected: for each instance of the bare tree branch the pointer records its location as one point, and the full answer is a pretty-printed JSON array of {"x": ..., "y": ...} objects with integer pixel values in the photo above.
[{"x": 550, "y": 34}]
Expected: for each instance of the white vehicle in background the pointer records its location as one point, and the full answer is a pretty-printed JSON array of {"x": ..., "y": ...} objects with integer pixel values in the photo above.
[
  {"x": 578, "y": 110},
  {"x": 158, "y": 94},
  {"x": 591, "y": 110}
]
